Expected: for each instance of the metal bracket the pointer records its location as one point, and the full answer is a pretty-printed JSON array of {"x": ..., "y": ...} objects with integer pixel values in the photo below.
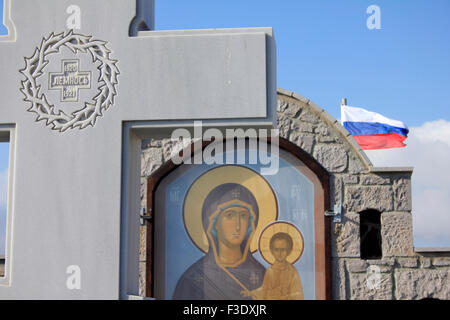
[
  {"x": 143, "y": 217},
  {"x": 336, "y": 213}
]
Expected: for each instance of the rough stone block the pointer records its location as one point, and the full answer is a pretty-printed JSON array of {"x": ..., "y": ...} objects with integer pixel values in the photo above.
[
  {"x": 325, "y": 133},
  {"x": 301, "y": 126},
  {"x": 355, "y": 164},
  {"x": 359, "y": 198},
  {"x": 357, "y": 266},
  {"x": 408, "y": 262},
  {"x": 309, "y": 116},
  {"x": 332, "y": 158},
  {"x": 345, "y": 241},
  {"x": 336, "y": 189},
  {"x": 142, "y": 266},
  {"x": 168, "y": 147},
  {"x": 382, "y": 262},
  {"x": 142, "y": 243},
  {"x": 304, "y": 141},
  {"x": 151, "y": 159},
  {"x": 396, "y": 234},
  {"x": 172, "y": 147},
  {"x": 383, "y": 268},
  {"x": 363, "y": 286},
  {"x": 350, "y": 179},
  {"x": 327, "y": 139},
  {"x": 441, "y": 262},
  {"x": 284, "y": 124},
  {"x": 373, "y": 179},
  {"x": 292, "y": 111},
  {"x": 402, "y": 194},
  {"x": 281, "y": 105},
  {"x": 425, "y": 263},
  {"x": 322, "y": 129},
  {"x": 143, "y": 189},
  {"x": 420, "y": 284}
]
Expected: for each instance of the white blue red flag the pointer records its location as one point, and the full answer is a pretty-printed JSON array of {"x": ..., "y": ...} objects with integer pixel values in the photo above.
[{"x": 372, "y": 130}]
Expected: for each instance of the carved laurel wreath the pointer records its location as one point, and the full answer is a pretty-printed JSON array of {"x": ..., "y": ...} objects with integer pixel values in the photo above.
[{"x": 88, "y": 114}]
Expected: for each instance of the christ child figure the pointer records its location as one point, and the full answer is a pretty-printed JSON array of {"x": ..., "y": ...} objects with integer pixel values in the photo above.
[{"x": 281, "y": 280}]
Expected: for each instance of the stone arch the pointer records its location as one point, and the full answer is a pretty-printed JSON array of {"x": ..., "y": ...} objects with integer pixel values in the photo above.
[
  {"x": 322, "y": 223},
  {"x": 354, "y": 183},
  {"x": 304, "y": 123}
]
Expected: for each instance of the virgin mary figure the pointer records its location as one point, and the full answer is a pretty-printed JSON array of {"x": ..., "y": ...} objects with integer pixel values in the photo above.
[{"x": 229, "y": 216}]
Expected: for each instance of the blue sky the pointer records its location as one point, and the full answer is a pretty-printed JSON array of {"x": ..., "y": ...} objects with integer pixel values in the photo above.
[{"x": 325, "y": 52}]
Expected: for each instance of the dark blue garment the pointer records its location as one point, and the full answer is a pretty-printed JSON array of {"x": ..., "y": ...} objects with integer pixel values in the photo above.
[{"x": 205, "y": 280}]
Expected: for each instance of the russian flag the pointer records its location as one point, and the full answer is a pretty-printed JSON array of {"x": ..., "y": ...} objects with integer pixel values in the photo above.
[{"x": 372, "y": 130}]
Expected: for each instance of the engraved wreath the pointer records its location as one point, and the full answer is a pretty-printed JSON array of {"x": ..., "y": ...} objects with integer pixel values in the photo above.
[{"x": 88, "y": 113}]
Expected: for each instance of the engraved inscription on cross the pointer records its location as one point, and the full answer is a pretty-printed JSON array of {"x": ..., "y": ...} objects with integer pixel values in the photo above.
[{"x": 70, "y": 80}]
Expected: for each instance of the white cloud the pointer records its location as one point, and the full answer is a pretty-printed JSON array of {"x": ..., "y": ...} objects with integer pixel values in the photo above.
[
  {"x": 428, "y": 151},
  {"x": 435, "y": 131}
]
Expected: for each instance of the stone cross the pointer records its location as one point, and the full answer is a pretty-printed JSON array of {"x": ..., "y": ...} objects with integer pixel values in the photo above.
[{"x": 78, "y": 93}]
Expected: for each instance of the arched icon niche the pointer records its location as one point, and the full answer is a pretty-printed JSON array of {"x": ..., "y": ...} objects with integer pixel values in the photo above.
[{"x": 187, "y": 240}]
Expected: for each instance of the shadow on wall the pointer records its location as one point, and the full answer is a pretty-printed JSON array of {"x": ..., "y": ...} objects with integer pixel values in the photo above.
[{"x": 2, "y": 267}]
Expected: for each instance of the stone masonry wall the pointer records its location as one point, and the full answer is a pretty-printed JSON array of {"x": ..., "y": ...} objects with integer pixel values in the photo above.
[{"x": 358, "y": 186}]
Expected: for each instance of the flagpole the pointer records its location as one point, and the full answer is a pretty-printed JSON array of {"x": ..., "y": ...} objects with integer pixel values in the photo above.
[{"x": 343, "y": 103}]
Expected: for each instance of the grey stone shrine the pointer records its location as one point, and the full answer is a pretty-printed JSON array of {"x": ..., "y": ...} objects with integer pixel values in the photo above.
[
  {"x": 75, "y": 105},
  {"x": 90, "y": 97}
]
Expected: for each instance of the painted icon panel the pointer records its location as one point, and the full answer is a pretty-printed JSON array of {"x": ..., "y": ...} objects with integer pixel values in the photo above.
[{"x": 232, "y": 233}]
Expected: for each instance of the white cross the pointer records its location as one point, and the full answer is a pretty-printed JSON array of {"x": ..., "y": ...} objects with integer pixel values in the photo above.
[
  {"x": 236, "y": 193},
  {"x": 254, "y": 278},
  {"x": 75, "y": 190}
]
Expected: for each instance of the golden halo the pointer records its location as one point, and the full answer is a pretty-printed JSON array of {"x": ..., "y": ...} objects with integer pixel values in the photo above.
[
  {"x": 270, "y": 230},
  {"x": 199, "y": 190}
]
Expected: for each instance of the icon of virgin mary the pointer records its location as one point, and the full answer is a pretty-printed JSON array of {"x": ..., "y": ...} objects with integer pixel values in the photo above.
[{"x": 229, "y": 216}]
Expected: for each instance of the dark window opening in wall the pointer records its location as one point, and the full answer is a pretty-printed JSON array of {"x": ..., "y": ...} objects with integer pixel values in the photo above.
[
  {"x": 4, "y": 164},
  {"x": 370, "y": 233}
]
